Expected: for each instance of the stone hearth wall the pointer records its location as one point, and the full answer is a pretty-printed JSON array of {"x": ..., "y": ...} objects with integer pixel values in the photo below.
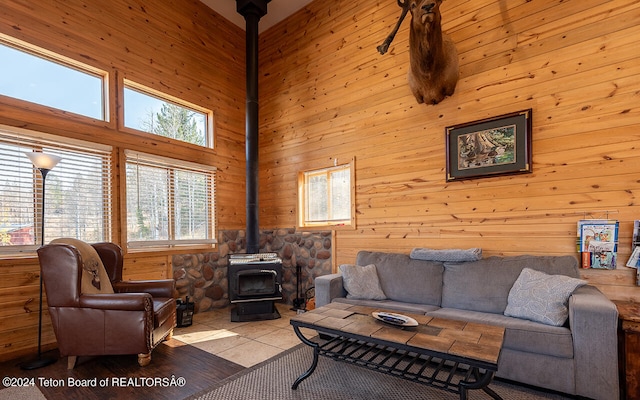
[{"x": 203, "y": 276}]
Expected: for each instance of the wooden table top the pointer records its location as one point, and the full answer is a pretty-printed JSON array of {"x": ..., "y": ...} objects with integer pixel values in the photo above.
[
  {"x": 463, "y": 339},
  {"x": 629, "y": 311}
]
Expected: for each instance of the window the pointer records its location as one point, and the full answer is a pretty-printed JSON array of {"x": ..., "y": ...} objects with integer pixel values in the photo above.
[
  {"x": 326, "y": 196},
  {"x": 153, "y": 112},
  {"x": 77, "y": 196},
  {"x": 169, "y": 202},
  {"x": 39, "y": 76}
]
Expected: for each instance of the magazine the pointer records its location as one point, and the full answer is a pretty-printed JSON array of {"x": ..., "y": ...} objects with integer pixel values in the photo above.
[
  {"x": 598, "y": 243},
  {"x": 634, "y": 259}
]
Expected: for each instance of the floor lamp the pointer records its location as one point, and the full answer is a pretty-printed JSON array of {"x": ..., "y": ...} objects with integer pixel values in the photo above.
[{"x": 44, "y": 163}]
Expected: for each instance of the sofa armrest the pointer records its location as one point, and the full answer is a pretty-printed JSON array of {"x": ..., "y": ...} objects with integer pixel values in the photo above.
[
  {"x": 594, "y": 323},
  {"x": 327, "y": 288}
]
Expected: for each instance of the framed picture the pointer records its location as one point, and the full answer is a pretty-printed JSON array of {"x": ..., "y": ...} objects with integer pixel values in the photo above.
[{"x": 489, "y": 147}]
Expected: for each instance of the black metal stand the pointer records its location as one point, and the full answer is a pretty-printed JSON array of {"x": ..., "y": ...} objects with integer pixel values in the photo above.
[
  {"x": 254, "y": 311},
  {"x": 314, "y": 363},
  {"x": 40, "y": 361},
  {"x": 298, "y": 302},
  {"x": 428, "y": 369}
]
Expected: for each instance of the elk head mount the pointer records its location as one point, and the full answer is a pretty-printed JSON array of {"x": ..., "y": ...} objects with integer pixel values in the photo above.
[{"x": 433, "y": 72}]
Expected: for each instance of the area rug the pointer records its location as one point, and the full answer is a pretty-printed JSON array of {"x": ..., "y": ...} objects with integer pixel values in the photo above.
[
  {"x": 21, "y": 393},
  {"x": 335, "y": 380}
]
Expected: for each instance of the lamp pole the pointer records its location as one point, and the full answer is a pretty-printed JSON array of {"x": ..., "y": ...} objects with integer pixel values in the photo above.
[{"x": 44, "y": 163}]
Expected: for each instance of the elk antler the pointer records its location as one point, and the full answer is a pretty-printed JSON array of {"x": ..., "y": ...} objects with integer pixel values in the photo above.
[{"x": 385, "y": 45}]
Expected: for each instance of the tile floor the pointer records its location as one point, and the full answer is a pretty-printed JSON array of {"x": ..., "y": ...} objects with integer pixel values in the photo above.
[{"x": 245, "y": 343}]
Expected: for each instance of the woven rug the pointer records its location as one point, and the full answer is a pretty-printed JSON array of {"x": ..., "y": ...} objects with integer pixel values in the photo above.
[
  {"x": 335, "y": 380},
  {"x": 21, "y": 393}
]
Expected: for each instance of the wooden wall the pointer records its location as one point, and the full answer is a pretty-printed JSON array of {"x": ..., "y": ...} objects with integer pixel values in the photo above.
[
  {"x": 326, "y": 94},
  {"x": 181, "y": 48}
]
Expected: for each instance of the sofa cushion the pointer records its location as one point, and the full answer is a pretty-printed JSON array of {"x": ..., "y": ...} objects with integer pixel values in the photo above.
[
  {"x": 404, "y": 279},
  {"x": 94, "y": 276},
  {"x": 361, "y": 282},
  {"x": 540, "y": 297},
  {"x": 484, "y": 285},
  {"x": 520, "y": 334}
]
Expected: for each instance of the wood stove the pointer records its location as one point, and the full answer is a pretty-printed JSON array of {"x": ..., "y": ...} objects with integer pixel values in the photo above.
[{"x": 255, "y": 283}]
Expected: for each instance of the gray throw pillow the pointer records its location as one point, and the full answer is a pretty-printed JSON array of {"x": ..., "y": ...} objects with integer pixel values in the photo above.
[
  {"x": 361, "y": 282},
  {"x": 540, "y": 297}
]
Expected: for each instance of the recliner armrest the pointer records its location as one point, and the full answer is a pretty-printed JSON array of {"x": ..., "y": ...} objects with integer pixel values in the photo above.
[
  {"x": 156, "y": 288},
  {"x": 117, "y": 301},
  {"x": 327, "y": 288}
]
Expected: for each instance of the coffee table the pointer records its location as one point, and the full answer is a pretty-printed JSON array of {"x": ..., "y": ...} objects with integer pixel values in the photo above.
[{"x": 452, "y": 355}]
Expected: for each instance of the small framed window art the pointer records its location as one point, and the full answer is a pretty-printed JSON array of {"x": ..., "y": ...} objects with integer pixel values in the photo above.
[{"x": 494, "y": 146}]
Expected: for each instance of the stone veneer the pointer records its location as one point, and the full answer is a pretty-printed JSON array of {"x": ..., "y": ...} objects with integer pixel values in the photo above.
[{"x": 203, "y": 276}]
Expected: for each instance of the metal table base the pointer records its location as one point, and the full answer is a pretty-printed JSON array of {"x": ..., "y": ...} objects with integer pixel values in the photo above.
[{"x": 447, "y": 374}]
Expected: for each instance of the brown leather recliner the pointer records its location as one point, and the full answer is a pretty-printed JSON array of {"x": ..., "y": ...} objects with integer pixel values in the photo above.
[{"x": 132, "y": 320}]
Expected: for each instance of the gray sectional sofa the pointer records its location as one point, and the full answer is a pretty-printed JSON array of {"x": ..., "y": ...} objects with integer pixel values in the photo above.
[{"x": 577, "y": 358}]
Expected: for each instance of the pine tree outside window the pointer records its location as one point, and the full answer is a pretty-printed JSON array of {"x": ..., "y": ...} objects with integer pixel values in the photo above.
[{"x": 160, "y": 114}]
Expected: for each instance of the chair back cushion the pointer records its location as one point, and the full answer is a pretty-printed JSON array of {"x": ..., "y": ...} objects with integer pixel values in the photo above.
[{"x": 94, "y": 277}]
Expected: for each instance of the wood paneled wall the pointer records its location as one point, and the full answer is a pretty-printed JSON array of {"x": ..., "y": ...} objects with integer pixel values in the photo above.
[
  {"x": 181, "y": 48},
  {"x": 326, "y": 94}
]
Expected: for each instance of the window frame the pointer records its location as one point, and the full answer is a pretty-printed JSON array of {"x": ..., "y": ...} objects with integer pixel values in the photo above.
[
  {"x": 67, "y": 62},
  {"x": 132, "y": 85},
  {"x": 303, "y": 205},
  {"x": 171, "y": 243},
  {"x": 36, "y": 140}
]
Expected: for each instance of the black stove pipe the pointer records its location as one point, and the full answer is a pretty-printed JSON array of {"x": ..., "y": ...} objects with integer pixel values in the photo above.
[{"x": 252, "y": 11}]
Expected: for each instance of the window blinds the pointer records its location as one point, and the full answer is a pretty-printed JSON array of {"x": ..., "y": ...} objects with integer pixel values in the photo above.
[
  {"x": 78, "y": 190},
  {"x": 169, "y": 202}
]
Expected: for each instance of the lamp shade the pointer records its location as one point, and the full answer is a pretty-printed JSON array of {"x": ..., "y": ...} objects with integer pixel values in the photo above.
[{"x": 42, "y": 160}]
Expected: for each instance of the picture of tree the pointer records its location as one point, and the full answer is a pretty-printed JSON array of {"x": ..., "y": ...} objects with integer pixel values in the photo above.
[{"x": 489, "y": 147}]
